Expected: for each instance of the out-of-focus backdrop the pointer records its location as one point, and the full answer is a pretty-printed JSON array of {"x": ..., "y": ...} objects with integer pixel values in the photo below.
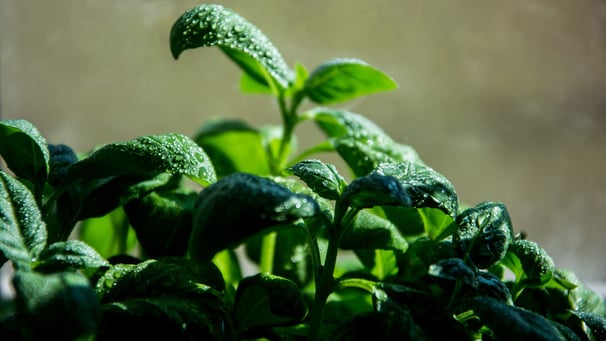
[{"x": 505, "y": 98}]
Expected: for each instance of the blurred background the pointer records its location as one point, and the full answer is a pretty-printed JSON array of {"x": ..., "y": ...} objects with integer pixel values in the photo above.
[{"x": 507, "y": 99}]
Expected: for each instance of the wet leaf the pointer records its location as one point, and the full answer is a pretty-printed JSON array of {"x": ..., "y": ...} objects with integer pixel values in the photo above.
[
  {"x": 342, "y": 79},
  {"x": 484, "y": 233},
  {"x": 596, "y": 323},
  {"x": 267, "y": 300},
  {"x": 24, "y": 150},
  {"x": 162, "y": 221},
  {"x": 424, "y": 186},
  {"x": 244, "y": 43},
  {"x": 59, "y": 306},
  {"x": 336, "y": 123},
  {"x": 22, "y": 231},
  {"x": 372, "y": 232},
  {"x": 322, "y": 178},
  {"x": 529, "y": 262},
  {"x": 167, "y": 297},
  {"x": 513, "y": 323},
  {"x": 169, "y": 153},
  {"x": 239, "y": 206},
  {"x": 69, "y": 255},
  {"x": 233, "y": 146},
  {"x": 372, "y": 190},
  {"x": 453, "y": 269}
]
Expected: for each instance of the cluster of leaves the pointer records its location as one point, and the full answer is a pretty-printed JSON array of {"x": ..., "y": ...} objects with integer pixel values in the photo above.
[{"x": 413, "y": 263}]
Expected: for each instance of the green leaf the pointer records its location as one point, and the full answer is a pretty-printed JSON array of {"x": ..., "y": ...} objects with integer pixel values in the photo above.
[
  {"x": 233, "y": 146},
  {"x": 372, "y": 232},
  {"x": 108, "y": 235},
  {"x": 239, "y": 206},
  {"x": 322, "y": 178},
  {"x": 22, "y": 231},
  {"x": 170, "y": 153},
  {"x": 365, "y": 155},
  {"x": 484, "y": 233},
  {"x": 373, "y": 190},
  {"x": 596, "y": 323},
  {"x": 291, "y": 258},
  {"x": 244, "y": 43},
  {"x": 513, "y": 323},
  {"x": 72, "y": 254},
  {"x": 424, "y": 186},
  {"x": 337, "y": 123},
  {"x": 61, "y": 158},
  {"x": 453, "y": 269},
  {"x": 59, "y": 306},
  {"x": 24, "y": 150},
  {"x": 588, "y": 300},
  {"x": 530, "y": 263},
  {"x": 266, "y": 300},
  {"x": 166, "y": 297},
  {"x": 342, "y": 79},
  {"x": 98, "y": 197},
  {"x": 162, "y": 221}
]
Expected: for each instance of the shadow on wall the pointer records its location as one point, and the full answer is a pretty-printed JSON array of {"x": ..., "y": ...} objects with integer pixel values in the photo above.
[{"x": 507, "y": 99}]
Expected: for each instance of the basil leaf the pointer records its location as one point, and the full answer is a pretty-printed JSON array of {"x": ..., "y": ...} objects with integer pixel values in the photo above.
[
  {"x": 453, "y": 269},
  {"x": 513, "y": 323},
  {"x": 72, "y": 254},
  {"x": 22, "y": 231},
  {"x": 266, "y": 300},
  {"x": 170, "y": 153},
  {"x": 59, "y": 306},
  {"x": 24, "y": 150},
  {"x": 342, "y": 79},
  {"x": 244, "y": 43},
  {"x": 373, "y": 190},
  {"x": 61, "y": 158},
  {"x": 233, "y": 146},
  {"x": 322, "y": 178},
  {"x": 484, "y": 233},
  {"x": 162, "y": 221},
  {"x": 425, "y": 186},
  {"x": 239, "y": 206},
  {"x": 595, "y": 322},
  {"x": 530, "y": 263},
  {"x": 167, "y": 297},
  {"x": 337, "y": 123},
  {"x": 372, "y": 232}
]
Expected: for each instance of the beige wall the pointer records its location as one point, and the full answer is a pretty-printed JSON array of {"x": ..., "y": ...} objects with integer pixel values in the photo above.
[{"x": 506, "y": 98}]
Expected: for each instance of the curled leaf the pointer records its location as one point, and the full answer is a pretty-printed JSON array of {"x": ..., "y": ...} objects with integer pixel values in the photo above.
[{"x": 244, "y": 43}]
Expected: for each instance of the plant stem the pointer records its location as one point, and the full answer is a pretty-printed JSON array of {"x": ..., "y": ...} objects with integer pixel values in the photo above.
[
  {"x": 324, "y": 287},
  {"x": 268, "y": 246}
]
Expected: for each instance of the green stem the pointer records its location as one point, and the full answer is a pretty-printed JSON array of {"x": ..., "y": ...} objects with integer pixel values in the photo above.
[
  {"x": 268, "y": 247},
  {"x": 324, "y": 287}
]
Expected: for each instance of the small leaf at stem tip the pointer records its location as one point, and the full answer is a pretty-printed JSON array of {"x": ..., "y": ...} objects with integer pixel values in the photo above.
[
  {"x": 375, "y": 190},
  {"x": 244, "y": 43},
  {"x": 322, "y": 178},
  {"x": 342, "y": 79}
]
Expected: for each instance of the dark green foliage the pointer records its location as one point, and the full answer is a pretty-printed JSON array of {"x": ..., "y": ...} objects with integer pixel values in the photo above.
[{"x": 156, "y": 257}]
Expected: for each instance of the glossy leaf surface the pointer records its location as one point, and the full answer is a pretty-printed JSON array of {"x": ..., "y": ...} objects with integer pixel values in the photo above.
[
  {"x": 24, "y": 150},
  {"x": 244, "y": 43},
  {"x": 529, "y": 262},
  {"x": 239, "y": 206},
  {"x": 372, "y": 232},
  {"x": 170, "y": 153},
  {"x": 72, "y": 254},
  {"x": 22, "y": 231},
  {"x": 342, "y": 79},
  {"x": 59, "y": 306},
  {"x": 484, "y": 233},
  {"x": 267, "y": 300},
  {"x": 322, "y": 178}
]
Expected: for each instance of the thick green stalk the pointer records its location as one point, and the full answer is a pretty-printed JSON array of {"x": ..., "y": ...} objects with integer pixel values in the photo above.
[{"x": 324, "y": 287}]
